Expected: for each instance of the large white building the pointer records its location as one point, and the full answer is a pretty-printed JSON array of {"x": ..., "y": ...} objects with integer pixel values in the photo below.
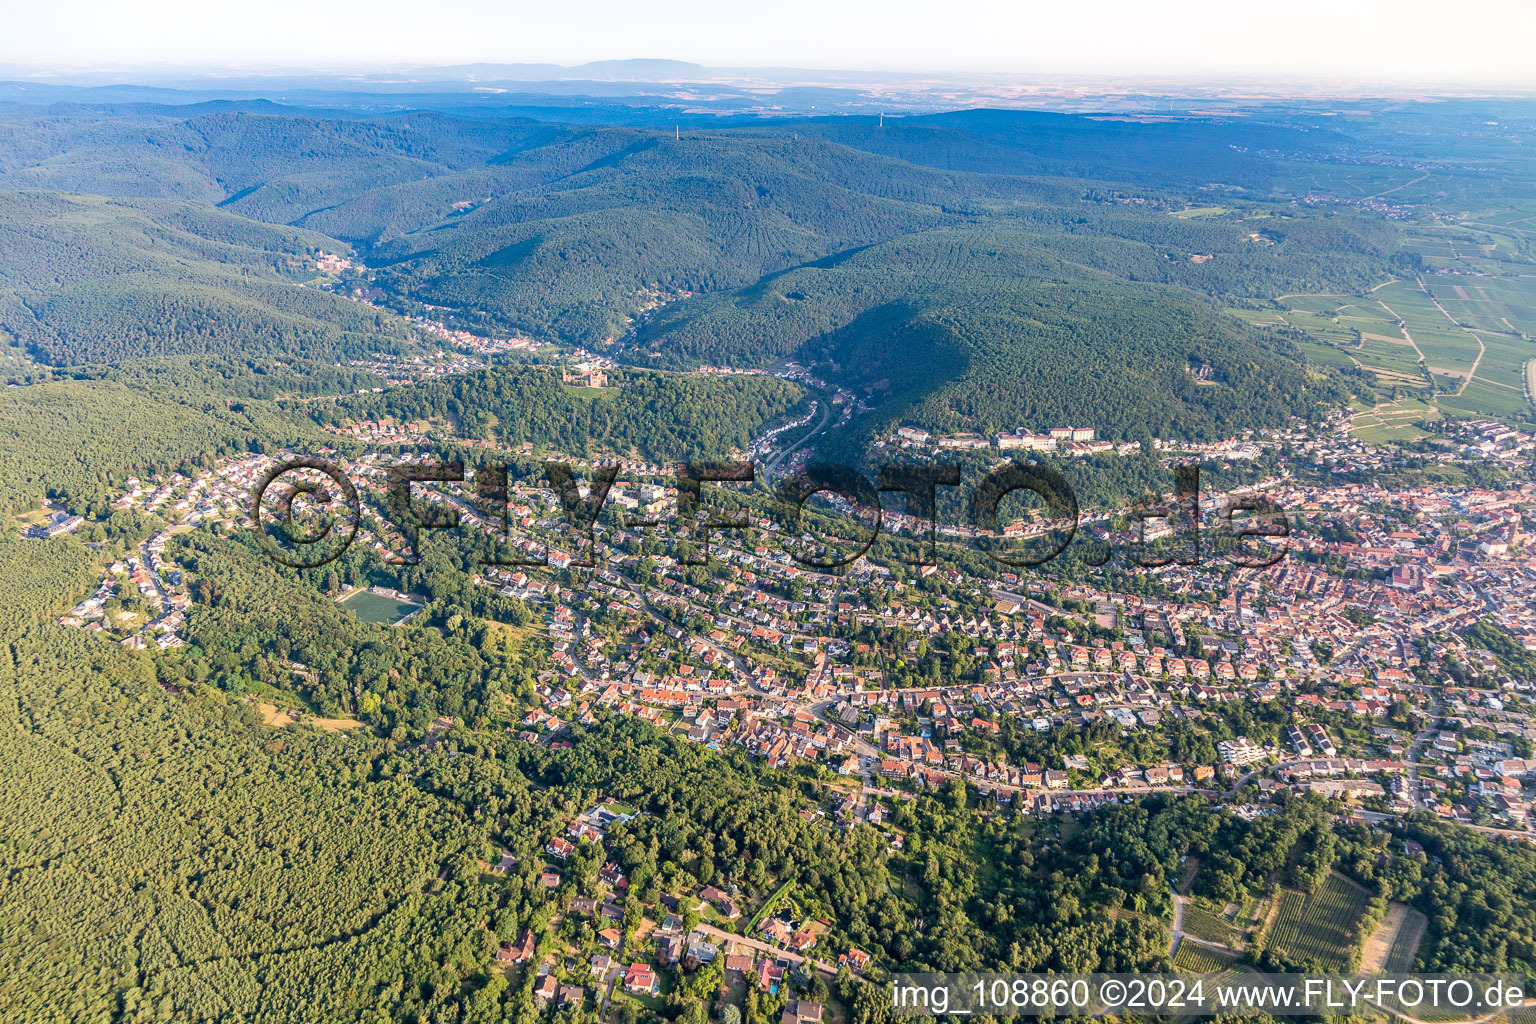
[
  {"x": 1028, "y": 442},
  {"x": 1241, "y": 751}
]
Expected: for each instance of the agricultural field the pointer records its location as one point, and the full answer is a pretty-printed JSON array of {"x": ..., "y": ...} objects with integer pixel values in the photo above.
[
  {"x": 1197, "y": 959},
  {"x": 1361, "y": 181},
  {"x": 1327, "y": 355},
  {"x": 1500, "y": 305},
  {"x": 1191, "y": 956},
  {"x": 1499, "y": 386},
  {"x": 1450, "y": 353},
  {"x": 1392, "y": 947},
  {"x": 1423, "y": 338},
  {"x": 1481, "y": 280},
  {"x": 1350, "y": 331},
  {"x": 1394, "y": 421},
  {"x": 1451, "y": 248},
  {"x": 1458, "y": 333},
  {"x": 1204, "y": 923},
  {"x": 1320, "y": 927},
  {"x": 1259, "y": 317},
  {"x": 1404, "y": 949},
  {"x": 1251, "y": 914}
]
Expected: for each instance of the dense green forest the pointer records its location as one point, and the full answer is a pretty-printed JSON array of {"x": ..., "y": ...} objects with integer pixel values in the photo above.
[
  {"x": 206, "y": 868},
  {"x": 77, "y": 433},
  {"x": 1473, "y": 887},
  {"x": 86, "y": 279},
  {"x": 927, "y": 259},
  {"x": 252, "y": 623},
  {"x": 231, "y": 378},
  {"x": 720, "y": 211},
  {"x": 565, "y": 232},
  {"x": 79, "y": 440},
  {"x": 655, "y": 415},
  {"x": 268, "y": 167},
  {"x": 1171, "y": 153},
  {"x": 730, "y": 820},
  {"x": 991, "y": 330}
]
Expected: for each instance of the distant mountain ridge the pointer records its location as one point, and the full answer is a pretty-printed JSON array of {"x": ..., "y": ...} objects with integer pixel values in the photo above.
[{"x": 986, "y": 247}]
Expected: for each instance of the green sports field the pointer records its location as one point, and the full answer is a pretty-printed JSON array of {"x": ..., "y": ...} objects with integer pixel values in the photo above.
[{"x": 371, "y": 607}]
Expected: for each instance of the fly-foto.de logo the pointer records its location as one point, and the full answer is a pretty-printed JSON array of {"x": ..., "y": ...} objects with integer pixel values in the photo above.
[{"x": 308, "y": 512}]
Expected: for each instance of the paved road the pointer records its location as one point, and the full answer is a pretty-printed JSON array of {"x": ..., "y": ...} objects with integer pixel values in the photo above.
[
  {"x": 1509, "y": 833},
  {"x": 764, "y": 947},
  {"x": 772, "y": 465},
  {"x": 1394, "y": 188}
]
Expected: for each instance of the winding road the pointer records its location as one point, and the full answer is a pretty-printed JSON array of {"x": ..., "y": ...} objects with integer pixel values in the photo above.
[{"x": 771, "y": 467}]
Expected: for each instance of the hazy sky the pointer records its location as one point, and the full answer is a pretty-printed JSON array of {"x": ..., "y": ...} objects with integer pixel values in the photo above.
[{"x": 1444, "y": 41}]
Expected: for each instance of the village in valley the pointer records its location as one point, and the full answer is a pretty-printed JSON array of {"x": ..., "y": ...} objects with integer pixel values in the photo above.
[
  {"x": 605, "y": 518},
  {"x": 1381, "y": 662},
  {"x": 1360, "y": 633}
]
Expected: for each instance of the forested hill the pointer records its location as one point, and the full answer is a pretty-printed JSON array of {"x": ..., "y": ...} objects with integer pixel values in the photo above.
[
  {"x": 776, "y": 315},
  {"x": 565, "y": 231},
  {"x": 919, "y": 257},
  {"x": 574, "y": 238},
  {"x": 657, "y": 416},
  {"x": 578, "y": 257},
  {"x": 79, "y": 440},
  {"x": 206, "y": 869},
  {"x": 287, "y": 159},
  {"x": 992, "y": 330},
  {"x": 304, "y": 162},
  {"x": 1144, "y": 150},
  {"x": 87, "y": 279}
]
